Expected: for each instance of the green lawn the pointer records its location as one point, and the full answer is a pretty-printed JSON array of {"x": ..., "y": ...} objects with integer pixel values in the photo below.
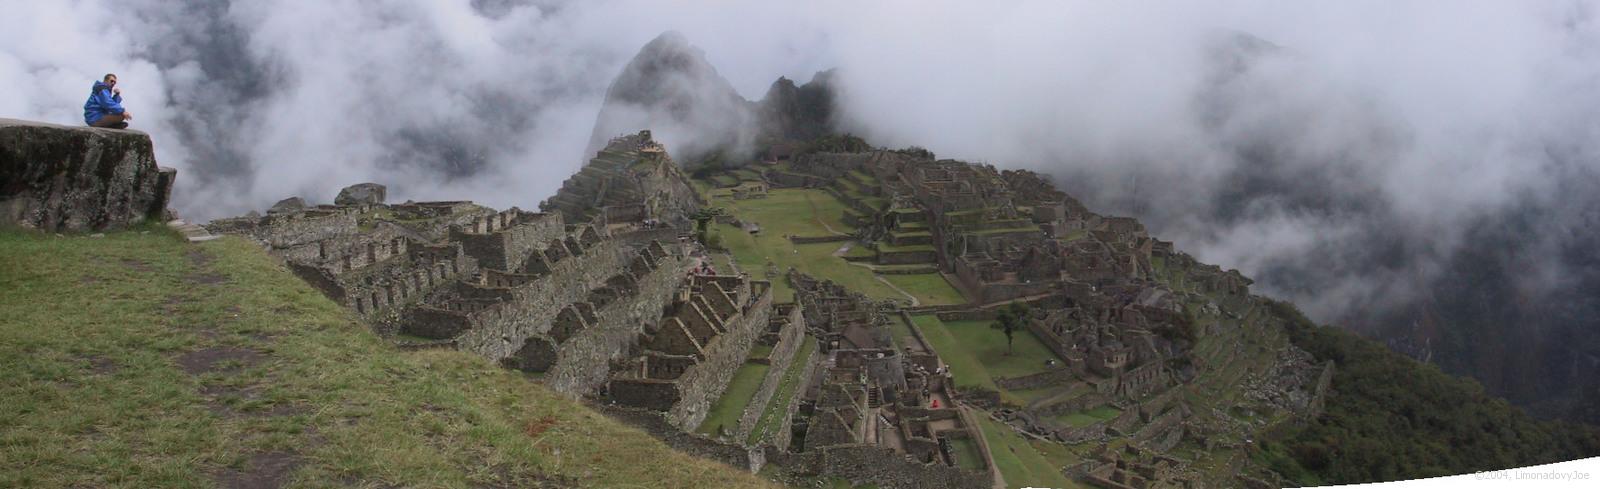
[
  {"x": 967, "y": 369},
  {"x": 1092, "y": 416},
  {"x": 758, "y": 351},
  {"x": 787, "y": 389},
  {"x": 1019, "y": 462},
  {"x": 790, "y": 212},
  {"x": 930, "y": 288},
  {"x": 141, "y": 360},
  {"x": 968, "y": 456},
  {"x": 977, "y": 353},
  {"x": 1031, "y": 395},
  {"x": 726, "y": 411},
  {"x": 1027, "y": 353},
  {"x": 902, "y": 331},
  {"x": 859, "y": 251}
]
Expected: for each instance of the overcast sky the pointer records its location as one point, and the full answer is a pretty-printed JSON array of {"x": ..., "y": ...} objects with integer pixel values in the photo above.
[{"x": 1346, "y": 144}]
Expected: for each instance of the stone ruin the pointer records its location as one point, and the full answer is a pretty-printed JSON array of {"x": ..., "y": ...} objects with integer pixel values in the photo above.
[
  {"x": 684, "y": 361},
  {"x": 632, "y": 179},
  {"x": 871, "y": 391},
  {"x": 560, "y": 294},
  {"x": 1098, "y": 287},
  {"x": 604, "y": 295}
]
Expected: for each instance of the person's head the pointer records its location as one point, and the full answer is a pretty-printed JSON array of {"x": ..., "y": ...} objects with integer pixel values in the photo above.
[{"x": 110, "y": 80}]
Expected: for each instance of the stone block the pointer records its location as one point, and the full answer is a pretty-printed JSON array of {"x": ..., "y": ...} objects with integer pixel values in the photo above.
[
  {"x": 362, "y": 194},
  {"x": 61, "y": 178}
]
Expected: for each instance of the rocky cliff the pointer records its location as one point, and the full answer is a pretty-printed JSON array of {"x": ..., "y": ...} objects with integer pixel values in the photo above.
[{"x": 60, "y": 178}]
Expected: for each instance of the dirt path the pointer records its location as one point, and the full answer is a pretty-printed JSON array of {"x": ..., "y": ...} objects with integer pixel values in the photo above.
[
  {"x": 234, "y": 373},
  {"x": 816, "y": 215},
  {"x": 843, "y": 249},
  {"x": 914, "y": 301}
]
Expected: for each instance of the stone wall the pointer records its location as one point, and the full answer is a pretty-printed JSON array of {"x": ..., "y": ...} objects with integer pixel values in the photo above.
[
  {"x": 968, "y": 315},
  {"x": 60, "y": 178},
  {"x": 533, "y": 306},
  {"x": 789, "y": 340},
  {"x": 582, "y": 363},
  {"x": 782, "y": 434},
  {"x": 702, "y": 384},
  {"x": 1057, "y": 376},
  {"x": 292, "y": 229},
  {"x": 656, "y": 424},
  {"x": 870, "y": 464},
  {"x": 820, "y": 239},
  {"x": 907, "y": 257},
  {"x": 501, "y": 241}
]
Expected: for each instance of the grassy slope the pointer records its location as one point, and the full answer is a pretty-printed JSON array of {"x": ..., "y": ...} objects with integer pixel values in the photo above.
[{"x": 95, "y": 335}]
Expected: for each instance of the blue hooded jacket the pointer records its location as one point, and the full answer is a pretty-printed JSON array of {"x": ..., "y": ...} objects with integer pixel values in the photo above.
[{"x": 101, "y": 102}]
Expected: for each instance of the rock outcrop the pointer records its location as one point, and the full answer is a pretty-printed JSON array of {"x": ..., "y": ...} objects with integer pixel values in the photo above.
[
  {"x": 362, "y": 193},
  {"x": 60, "y": 178},
  {"x": 291, "y": 204},
  {"x": 802, "y": 112}
]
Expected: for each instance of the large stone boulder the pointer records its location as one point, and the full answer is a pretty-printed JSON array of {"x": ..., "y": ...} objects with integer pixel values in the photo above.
[
  {"x": 291, "y": 204},
  {"x": 61, "y": 178},
  {"x": 361, "y": 194}
]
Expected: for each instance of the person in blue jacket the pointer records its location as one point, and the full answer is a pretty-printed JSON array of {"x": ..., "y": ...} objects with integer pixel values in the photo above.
[{"x": 104, "y": 108}]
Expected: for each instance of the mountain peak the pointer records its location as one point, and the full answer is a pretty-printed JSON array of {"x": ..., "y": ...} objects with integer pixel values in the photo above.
[{"x": 670, "y": 88}]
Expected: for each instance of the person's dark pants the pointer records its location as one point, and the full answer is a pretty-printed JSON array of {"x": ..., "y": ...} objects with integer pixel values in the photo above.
[{"x": 113, "y": 121}]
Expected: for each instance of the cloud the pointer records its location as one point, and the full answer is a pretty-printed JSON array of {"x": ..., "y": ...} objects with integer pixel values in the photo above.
[{"x": 1337, "y": 151}]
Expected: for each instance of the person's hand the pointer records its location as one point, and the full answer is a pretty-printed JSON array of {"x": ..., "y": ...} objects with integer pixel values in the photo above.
[
  {"x": 116, "y": 91},
  {"x": 127, "y": 115}
]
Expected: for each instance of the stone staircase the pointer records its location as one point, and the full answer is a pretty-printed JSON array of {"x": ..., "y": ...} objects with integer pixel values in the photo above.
[{"x": 192, "y": 232}]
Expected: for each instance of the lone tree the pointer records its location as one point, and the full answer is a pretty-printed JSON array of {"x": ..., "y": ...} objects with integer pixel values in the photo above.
[{"x": 1009, "y": 320}]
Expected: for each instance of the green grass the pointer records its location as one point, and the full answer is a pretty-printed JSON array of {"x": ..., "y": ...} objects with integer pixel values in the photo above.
[
  {"x": 886, "y": 247},
  {"x": 741, "y": 389},
  {"x": 902, "y": 331},
  {"x": 759, "y": 350},
  {"x": 1030, "y": 395},
  {"x": 1092, "y": 416},
  {"x": 787, "y": 389},
  {"x": 802, "y": 212},
  {"x": 1019, "y": 462},
  {"x": 929, "y": 288},
  {"x": 92, "y": 332},
  {"x": 859, "y": 251},
  {"x": 968, "y": 456},
  {"x": 967, "y": 369},
  {"x": 1027, "y": 356},
  {"x": 977, "y": 353},
  {"x": 862, "y": 176}
]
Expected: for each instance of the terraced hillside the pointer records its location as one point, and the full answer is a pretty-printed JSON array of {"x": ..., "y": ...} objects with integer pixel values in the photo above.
[{"x": 1133, "y": 361}]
